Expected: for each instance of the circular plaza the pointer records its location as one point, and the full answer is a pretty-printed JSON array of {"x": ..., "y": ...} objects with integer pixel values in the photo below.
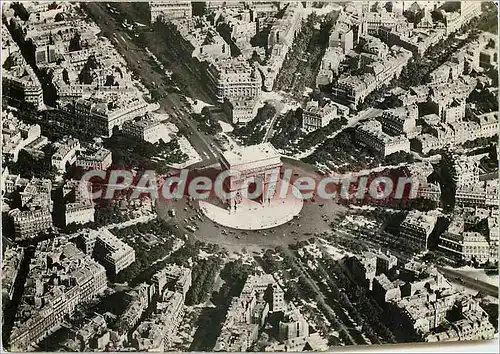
[
  {"x": 252, "y": 215},
  {"x": 252, "y": 223}
]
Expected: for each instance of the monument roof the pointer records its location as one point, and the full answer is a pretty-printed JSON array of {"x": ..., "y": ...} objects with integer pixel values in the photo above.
[{"x": 251, "y": 154}]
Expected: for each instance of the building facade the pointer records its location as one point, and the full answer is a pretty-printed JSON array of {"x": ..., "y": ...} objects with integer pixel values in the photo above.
[
  {"x": 316, "y": 117},
  {"x": 416, "y": 228},
  {"x": 112, "y": 253},
  {"x": 370, "y": 134},
  {"x": 170, "y": 10}
]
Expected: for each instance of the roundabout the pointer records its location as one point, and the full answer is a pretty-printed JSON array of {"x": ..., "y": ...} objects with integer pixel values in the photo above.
[
  {"x": 252, "y": 215},
  {"x": 252, "y": 224}
]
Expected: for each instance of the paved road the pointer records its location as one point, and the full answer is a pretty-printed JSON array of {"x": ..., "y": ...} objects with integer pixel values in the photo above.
[
  {"x": 450, "y": 274},
  {"x": 375, "y": 241},
  {"x": 319, "y": 294},
  {"x": 363, "y": 115},
  {"x": 139, "y": 61},
  {"x": 469, "y": 282},
  {"x": 270, "y": 130}
]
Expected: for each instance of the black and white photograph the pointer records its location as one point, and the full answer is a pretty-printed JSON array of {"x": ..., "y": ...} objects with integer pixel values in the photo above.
[{"x": 249, "y": 176}]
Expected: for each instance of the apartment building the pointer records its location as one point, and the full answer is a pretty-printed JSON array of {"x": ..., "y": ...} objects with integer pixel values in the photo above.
[
  {"x": 169, "y": 313},
  {"x": 9, "y": 181},
  {"x": 430, "y": 191},
  {"x": 286, "y": 29},
  {"x": 37, "y": 194},
  {"x": 483, "y": 194},
  {"x": 45, "y": 55},
  {"x": 101, "y": 115},
  {"x": 466, "y": 172},
  {"x": 443, "y": 132},
  {"x": 94, "y": 158},
  {"x": 474, "y": 324},
  {"x": 65, "y": 154},
  {"x": 385, "y": 290},
  {"x": 79, "y": 213},
  {"x": 233, "y": 78},
  {"x": 447, "y": 71},
  {"x": 77, "y": 279},
  {"x": 453, "y": 112},
  {"x": 19, "y": 82},
  {"x": 149, "y": 337},
  {"x": 275, "y": 296},
  {"x": 140, "y": 299},
  {"x": 17, "y": 135},
  {"x": 369, "y": 134},
  {"x": 342, "y": 37},
  {"x": 469, "y": 10},
  {"x": 11, "y": 263},
  {"x": 293, "y": 325},
  {"x": 330, "y": 65},
  {"x": 114, "y": 254},
  {"x": 423, "y": 316},
  {"x": 315, "y": 117},
  {"x": 280, "y": 38},
  {"x": 203, "y": 40},
  {"x": 417, "y": 41},
  {"x": 374, "y": 47},
  {"x": 401, "y": 121},
  {"x": 179, "y": 276},
  {"x": 145, "y": 129},
  {"x": 247, "y": 313},
  {"x": 240, "y": 110},
  {"x": 488, "y": 123},
  {"x": 370, "y": 22},
  {"x": 416, "y": 228},
  {"x": 93, "y": 334},
  {"x": 465, "y": 246},
  {"x": 465, "y": 131},
  {"x": 363, "y": 268},
  {"x": 30, "y": 223},
  {"x": 170, "y": 10},
  {"x": 354, "y": 89},
  {"x": 425, "y": 143}
]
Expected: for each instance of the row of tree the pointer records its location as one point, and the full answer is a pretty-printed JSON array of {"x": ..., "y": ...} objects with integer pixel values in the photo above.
[
  {"x": 203, "y": 277},
  {"x": 254, "y": 132},
  {"x": 318, "y": 136},
  {"x": 358, "y": 302},
  {"x": 288, "y": 129}
]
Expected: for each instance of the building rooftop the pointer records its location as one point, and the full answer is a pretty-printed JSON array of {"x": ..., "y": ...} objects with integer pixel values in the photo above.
[
  {"x": 385, "y": 283},
  {"x": 466, "y": 165},
  {"x": 97, "y": 154},
  {"x": 50, "y": 282},
  {"x": 10, "y": 264},
  {"x": 421, "y": 220},
  {"x": 116, "y": 246},
  {"x": 314, "y": 108}
]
